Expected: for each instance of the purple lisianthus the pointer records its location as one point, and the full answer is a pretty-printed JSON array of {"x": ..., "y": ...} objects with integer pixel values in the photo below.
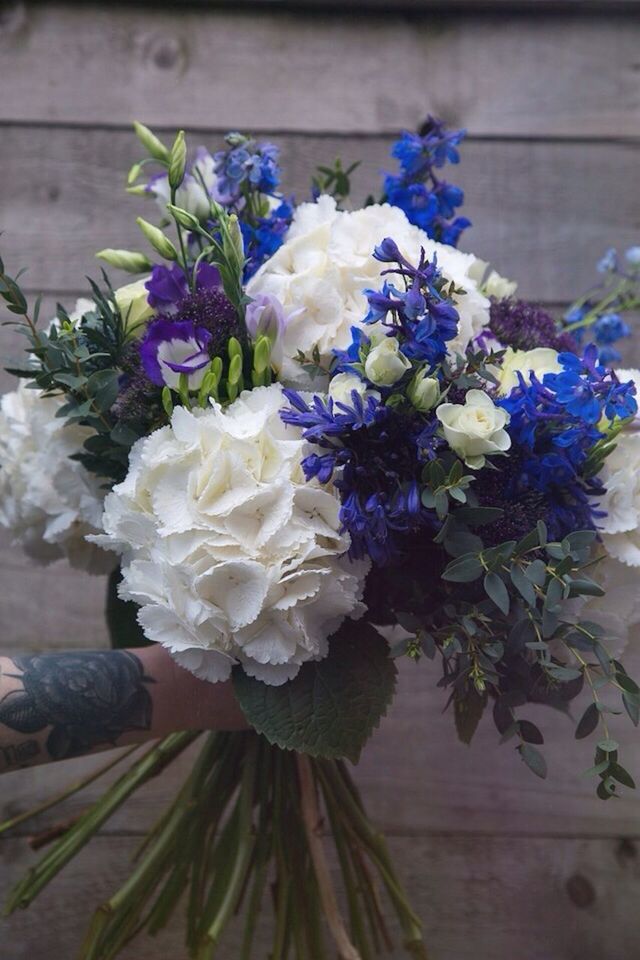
[
  {"x": 167, "y": 286},
  {"x": 171, "y": 348}
]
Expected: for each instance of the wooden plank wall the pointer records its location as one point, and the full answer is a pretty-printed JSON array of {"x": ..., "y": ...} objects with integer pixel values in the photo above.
[{"x": 500, "y": 864}]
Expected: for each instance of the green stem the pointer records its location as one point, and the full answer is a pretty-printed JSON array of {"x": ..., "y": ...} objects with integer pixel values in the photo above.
[
  {"x": 69, "y": 791},
  {"x": 91, "y": 821}
]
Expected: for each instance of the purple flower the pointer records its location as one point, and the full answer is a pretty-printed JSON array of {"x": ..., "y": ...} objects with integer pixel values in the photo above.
[
  {"x": 265, "y": 317},
  {"x": 171, "y": 348},
  {"x": 167, "y": 286}
]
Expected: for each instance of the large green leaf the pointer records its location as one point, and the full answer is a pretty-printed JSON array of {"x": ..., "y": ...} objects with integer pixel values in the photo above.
[{"x": 333, "y": 706}]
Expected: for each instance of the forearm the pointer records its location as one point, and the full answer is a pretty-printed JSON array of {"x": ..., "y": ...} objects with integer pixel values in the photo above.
[{"x": 59, "y": 705}]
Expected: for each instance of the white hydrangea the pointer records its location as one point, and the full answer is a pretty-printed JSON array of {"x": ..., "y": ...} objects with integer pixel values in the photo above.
[
  {"x": 47, "y": 501},
  {"x": 621, "y": 476},
  {"x": 326, "y": 263},
  {"x": 231, "y": 554}
]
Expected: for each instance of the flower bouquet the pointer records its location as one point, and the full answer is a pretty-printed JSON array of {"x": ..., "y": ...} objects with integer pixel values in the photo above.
[{"x": 312, "y": 439}]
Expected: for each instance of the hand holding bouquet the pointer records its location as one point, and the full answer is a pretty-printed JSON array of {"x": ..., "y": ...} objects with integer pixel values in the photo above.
[{"x": 306, "y": 430}]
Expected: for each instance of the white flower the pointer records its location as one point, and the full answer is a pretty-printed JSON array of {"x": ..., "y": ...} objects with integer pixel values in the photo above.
[
  {"x": 326, "y": 263},
  {"x": 132, "y": 303},
  {"x": 491, "y": 283},
  {"x": 475, "y": 428},
  {"x": 231, "y": 554},
  {"x": 48, "y": 501},
  {"x": 539, "y": 361},
  {"x": 424, "y": 391},
  {"x": 621, "y": 503},
  {"x": 385, "y": 365},
  {"x": 343, "y": 384}
]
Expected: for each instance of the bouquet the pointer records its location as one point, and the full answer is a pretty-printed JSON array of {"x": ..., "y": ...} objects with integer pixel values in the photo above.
[{"x": 311, "y": 439}]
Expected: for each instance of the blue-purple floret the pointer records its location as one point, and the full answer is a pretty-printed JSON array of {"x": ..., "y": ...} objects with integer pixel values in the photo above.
[
  {"x": 371, "y": 453},
  {"x": 167, "y": 286},
  {"x": 555, "y": 423},
  {"x": 428, "y": 201},
  {"x": 420, "y": 316}
]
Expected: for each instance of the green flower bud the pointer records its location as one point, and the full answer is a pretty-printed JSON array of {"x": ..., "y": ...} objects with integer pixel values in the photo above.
[
  {"x": 184, "y": 218},
  {"x": 235, "y": 369},
  {"x": 134, "y": 173},
  {"x": 158, "y": 240},
  {"x": 150, "y": 142},
  {"x": 234, "y": 348},
  {"x": 167, "y": 401},
  {"x": 139, "y": 190},
  {"x": 262, "y": 354},
  {"x": 423, "y": 391},
  {"x": 128, "y": 260},
  {"x": 177, "y": 161}
]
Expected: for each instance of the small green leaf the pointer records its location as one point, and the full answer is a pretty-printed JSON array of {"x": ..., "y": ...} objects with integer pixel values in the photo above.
[
  {"x": 463, "y": 570},
  {"x": 468, "y": 710},
  {"x": 588, "y": 722},
  {"x": 530, "y": 733},
  {"x": 523, "y": 585},
  {"x": 608, "y": 746},
  {"x": 533, "y": 759},
  {"x": 495, "y": 589}
]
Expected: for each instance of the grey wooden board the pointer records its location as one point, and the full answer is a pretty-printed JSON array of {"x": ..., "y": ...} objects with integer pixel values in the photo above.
[
  {"x": 543, "y": 213},
  {"x": 498, "y": 75},
  {"x": 479, "y": 899}
]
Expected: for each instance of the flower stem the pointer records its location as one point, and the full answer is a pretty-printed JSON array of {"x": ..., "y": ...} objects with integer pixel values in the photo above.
[{"x": 311, "y": 818}]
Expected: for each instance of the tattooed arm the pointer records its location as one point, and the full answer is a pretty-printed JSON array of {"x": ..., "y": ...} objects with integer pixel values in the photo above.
[{"x": 59, "y": 705}]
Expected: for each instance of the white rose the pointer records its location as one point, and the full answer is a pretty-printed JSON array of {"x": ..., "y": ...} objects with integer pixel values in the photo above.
[
  {"x": 385, "y": 365},
  {"x": 424, "y": 391},
  {"x": 132, "y": 303},
  {"x": 475, "y": 428},
  {"x": 232, "y": 556},
  {"x": 48, "y": 501},
  {"x": 539, "y": 361},
  {"x": 343, "y": 384},
  {"x": 327, "y": 262}
]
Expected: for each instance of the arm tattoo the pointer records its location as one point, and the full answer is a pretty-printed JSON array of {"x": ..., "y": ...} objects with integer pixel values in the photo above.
[
  {"x": 20, "y": 754},
  {"x": 87, "y": 698}
]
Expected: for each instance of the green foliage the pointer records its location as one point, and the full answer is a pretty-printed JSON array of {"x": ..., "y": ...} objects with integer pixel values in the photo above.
[
  {"x": 334, "y": 180},
  {"x": 502, "y": 636},
  {"x": 332, "y": 707}
]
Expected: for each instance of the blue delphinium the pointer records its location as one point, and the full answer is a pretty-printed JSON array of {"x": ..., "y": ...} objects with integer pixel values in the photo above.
[
  {"x": 420, "y": 315},
  {"x": 601, "y": 308},
  {"x": 371, "y": 451},
  {"x": 375, "y": 446},
  {"x": 428, "y": 201},
  {"x": 554, "y": 427},
  {"x": 248, "y": 177}
]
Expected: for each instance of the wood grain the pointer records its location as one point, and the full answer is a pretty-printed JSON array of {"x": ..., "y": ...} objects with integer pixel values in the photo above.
[
  {"x": 543, "y": 213},
  {"x": 480, "y": 898},
  {"x": 498, "y": 75}
]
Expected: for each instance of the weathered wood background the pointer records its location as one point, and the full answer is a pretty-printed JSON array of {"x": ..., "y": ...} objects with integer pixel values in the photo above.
[{"x": 500, "y": 864}]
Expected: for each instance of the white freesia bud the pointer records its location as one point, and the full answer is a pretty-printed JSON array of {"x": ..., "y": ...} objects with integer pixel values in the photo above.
[
  {"x": 539, "y": 361},
  {"x": 385, "y": 365},
  {"x": 132, "y": 303},
  {"x": 424, "y": 391},
  {"x": 499, "y": 287},
  {"x": 342, "y": 386},
  {"x": 475, "y": 429}
]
